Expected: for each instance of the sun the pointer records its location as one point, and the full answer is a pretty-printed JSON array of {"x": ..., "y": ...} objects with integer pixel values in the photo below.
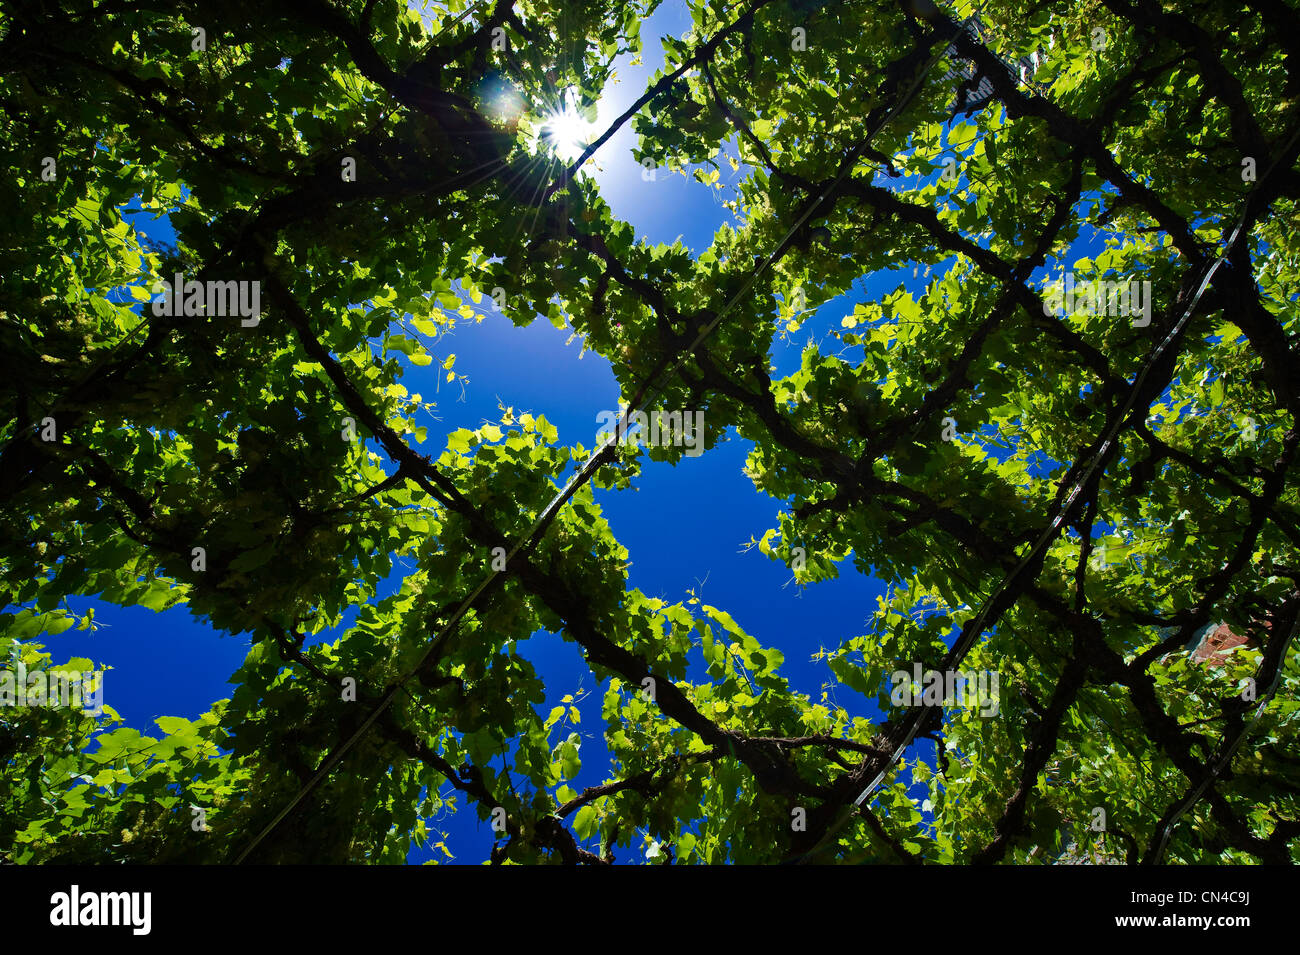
[{"x": 567, "y": 132}]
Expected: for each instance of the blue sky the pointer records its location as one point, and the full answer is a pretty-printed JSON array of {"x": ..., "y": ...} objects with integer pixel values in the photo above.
[{"x": 169, "y": 664}]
